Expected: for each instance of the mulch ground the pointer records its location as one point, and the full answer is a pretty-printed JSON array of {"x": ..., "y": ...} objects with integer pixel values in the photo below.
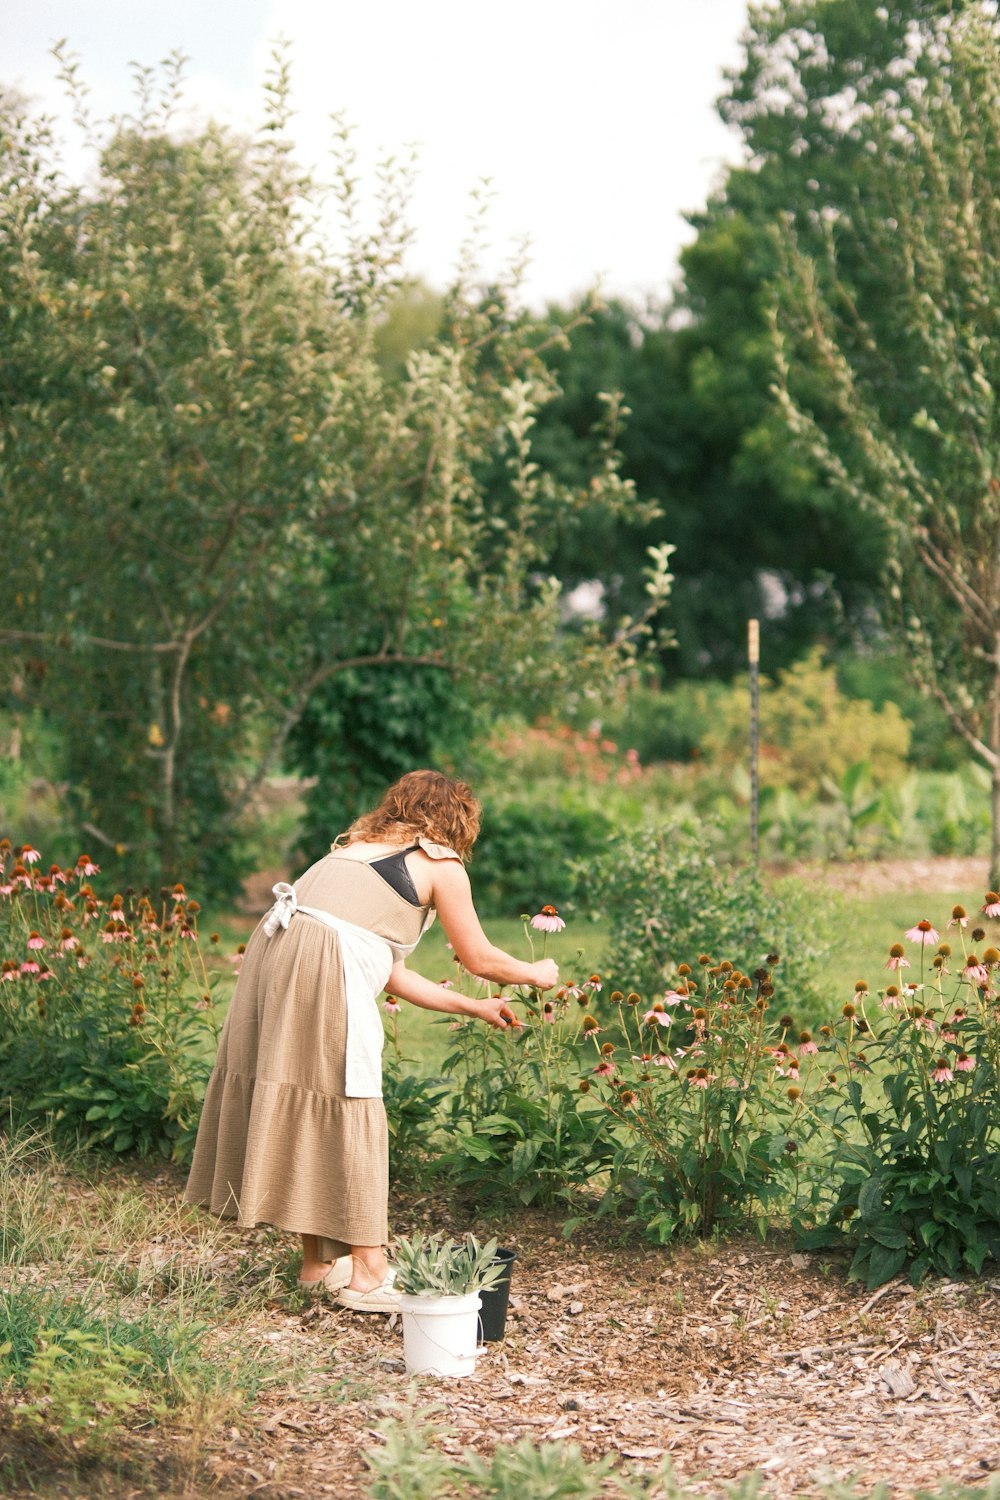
[{"x": 728, "y": 1358}]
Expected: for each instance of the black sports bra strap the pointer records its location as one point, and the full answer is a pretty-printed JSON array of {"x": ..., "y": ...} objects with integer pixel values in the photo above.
[{"x": 392, "y": 868}]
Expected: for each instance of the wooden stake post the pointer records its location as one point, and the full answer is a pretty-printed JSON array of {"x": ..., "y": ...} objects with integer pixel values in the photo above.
[{"x": 753, "y": 656}]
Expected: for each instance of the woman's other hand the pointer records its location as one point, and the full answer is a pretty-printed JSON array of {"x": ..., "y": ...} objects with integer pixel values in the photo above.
[
  {"x": 497, "y": 1013},
  {"x": 545, "y": 974}
]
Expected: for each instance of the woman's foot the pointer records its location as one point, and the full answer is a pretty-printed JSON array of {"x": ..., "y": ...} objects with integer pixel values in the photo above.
[
  {"x": 376, "y": 1297},
  {"x": 327, "y": 1276}
]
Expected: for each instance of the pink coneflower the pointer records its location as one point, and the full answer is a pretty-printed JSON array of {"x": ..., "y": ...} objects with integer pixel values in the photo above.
[
  {"x": 941, "y": 1073},
  {"x": 35, "y": 940},
  {"x": 592, "y": 985},
  {"x": 85, "y": 867},
  {"x": 976, "y": 973},
  {"x": 547, "y": 920},
  {"x": 664, "y": 1060},
  {"x": 657, "y": 1016},
  {"x": 605, "y": 1068},
  {"x": 392, "y": 1005},
  {"x": 806, "y": 1043},
  {"x": 673, "y": 996},
  {"x": 548, "y": 1013},
  {"x": 897, "y": 959},
  {"x": 44, "y": 974},
  {"x": 29, "y": 855},
  {"x": 964, "y": 1063},
  {"x": 923, "y": 933},
  {"x": 30, "y": 967},
  {"x": 958, "y": 917},
  {"x": 991, "y": 906},
  {"x": 700, "y": 1079}
]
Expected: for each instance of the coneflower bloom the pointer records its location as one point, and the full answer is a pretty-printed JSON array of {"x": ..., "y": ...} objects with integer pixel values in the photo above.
[
  {"x": 806, "y": 1043},
  {"x": 964, "y": 1063},
  {"x": 592, "y": 985},
  {"x": 991, "y": 906},
  {"x": 547, "y": 920},
  {"x": 85, "y": 867},
  {"x": 941, "y": 1073},
  {"x": 392, "y": 1005},
  {"x": 958, "y": 917},
  {"x": 976, "y": 973},
  {"x": 672, "y": 997},
  {"x": 35, "y": 940},
  {"x": 923, "y": 933},
  {"x": 29, "y": 855},
  {"x": 657, "y": 1016},
  {"x": 605, "y": 1068},
  {"x": 897, "y": 959}
]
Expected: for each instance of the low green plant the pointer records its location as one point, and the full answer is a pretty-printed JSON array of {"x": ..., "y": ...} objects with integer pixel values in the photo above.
[
  {"x": 916, "y": 1128},
  {"x": 107, "y": 1013},
  {"x": 73, "y": 1372},
  {"x": 413, "y": 1116},
  {"x": 433, "y": 1265}
]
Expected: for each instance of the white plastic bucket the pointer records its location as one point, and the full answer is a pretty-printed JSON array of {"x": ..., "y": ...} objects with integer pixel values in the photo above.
[{"x": 439, "y": 1334}]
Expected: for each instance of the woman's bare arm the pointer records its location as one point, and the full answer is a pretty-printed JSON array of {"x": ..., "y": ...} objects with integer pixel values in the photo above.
[
  {"x": 452, "y": 897},
  {"x": 429, "y": 996}
]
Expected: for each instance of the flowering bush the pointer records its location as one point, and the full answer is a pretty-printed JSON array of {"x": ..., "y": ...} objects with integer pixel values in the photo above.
[
  {"x": 917, "y": 1129},
  {"x": 713, "y": 1096},
  {"x": 518, "y": 1129},
  {"x": 107, "y": 1017}
]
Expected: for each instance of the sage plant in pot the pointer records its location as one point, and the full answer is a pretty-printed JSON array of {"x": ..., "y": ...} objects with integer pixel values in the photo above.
[{"x": 440, "y": 1280}]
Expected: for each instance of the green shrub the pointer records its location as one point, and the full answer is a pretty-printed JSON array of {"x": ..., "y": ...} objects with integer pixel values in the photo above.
[
  {"x": 666, "y": 897},
  {"x": 525, "y": 856}
]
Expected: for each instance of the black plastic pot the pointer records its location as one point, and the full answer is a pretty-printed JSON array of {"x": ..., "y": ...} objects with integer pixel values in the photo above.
[{"x": 493, "y": 1313}]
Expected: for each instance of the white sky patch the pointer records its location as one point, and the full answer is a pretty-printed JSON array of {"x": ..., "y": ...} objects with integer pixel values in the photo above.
[{"x": 595, "y": 124}]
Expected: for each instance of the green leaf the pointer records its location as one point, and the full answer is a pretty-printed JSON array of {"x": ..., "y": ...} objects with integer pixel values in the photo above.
[{"x": 883, "y": 1265}]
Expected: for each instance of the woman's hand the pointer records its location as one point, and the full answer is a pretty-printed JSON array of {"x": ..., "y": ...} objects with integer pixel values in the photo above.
[
  {"x": 545, "y": 974},
  {"x": 497, "y": 1013}
]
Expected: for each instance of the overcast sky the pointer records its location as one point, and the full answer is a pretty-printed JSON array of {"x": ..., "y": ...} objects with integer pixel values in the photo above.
[{"x": 594, "y": 122}]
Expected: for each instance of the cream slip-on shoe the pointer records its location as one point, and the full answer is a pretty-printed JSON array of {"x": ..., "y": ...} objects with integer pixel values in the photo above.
[
  {"x": 382, "y": 1298},
  {"x": 336, "y": 1277}
]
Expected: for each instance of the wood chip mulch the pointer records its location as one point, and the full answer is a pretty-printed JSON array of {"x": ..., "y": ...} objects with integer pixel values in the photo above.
[{"x": 729, "y": 1358}]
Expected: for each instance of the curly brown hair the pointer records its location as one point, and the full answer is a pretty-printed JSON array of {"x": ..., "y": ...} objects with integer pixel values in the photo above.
[{"x": 422, "y": 804}]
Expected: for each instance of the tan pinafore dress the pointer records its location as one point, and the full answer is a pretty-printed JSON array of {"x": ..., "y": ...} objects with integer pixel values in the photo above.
[{"x": 280, "y": 1142}]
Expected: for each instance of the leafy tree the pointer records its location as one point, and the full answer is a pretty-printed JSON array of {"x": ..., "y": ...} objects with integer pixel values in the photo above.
[
  {"x": 758, "y": 530},
  {"x": 217, "y": 498},
  {"x": 889, "y": 380}
]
